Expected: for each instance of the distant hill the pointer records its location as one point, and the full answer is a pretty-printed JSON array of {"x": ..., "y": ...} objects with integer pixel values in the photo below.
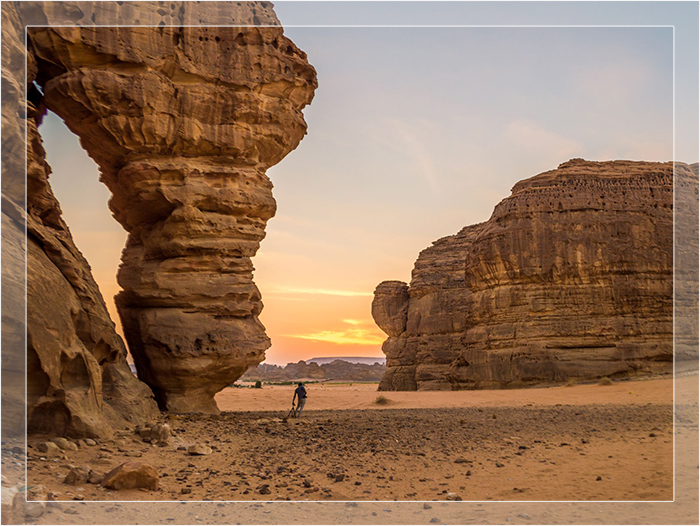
[
  {"x": 337, "y": 369},
  {"x": 349, "y": 359}
]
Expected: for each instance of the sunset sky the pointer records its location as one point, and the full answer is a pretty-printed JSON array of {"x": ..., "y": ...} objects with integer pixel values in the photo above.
[{"x": 413, "y": 134}]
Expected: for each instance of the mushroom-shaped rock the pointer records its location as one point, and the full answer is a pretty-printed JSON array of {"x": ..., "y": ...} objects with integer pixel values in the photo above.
[
  {"x": 183, "y": 123},
  {"x": 390, "y": 306}
]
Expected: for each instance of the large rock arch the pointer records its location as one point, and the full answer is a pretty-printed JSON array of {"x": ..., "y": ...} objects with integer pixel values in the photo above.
[{"x": 183, "y": 123}]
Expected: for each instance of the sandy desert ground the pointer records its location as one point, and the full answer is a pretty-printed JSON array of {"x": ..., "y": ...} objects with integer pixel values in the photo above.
[
  {"x": 585, "y": 442},
  {"x": 344, "y": 395}
]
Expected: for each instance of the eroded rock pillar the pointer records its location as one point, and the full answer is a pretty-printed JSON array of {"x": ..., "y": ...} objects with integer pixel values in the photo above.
[
  {"x": 189, "y": 305},
  {"x": 183, "y": 123}
]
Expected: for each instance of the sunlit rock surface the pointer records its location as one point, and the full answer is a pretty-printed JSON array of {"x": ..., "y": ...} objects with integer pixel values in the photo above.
[
  {"x": 78, "y": 381},
  {"x": 13, "y": 224},
  {"x": 571, "y": 277},
  {"x": 183, "y": 123}
]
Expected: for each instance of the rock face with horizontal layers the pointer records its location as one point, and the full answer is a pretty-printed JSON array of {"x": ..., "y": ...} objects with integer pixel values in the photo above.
[
  {"x": 183, "y": 123},
  {"x": 78, "y": 382},
  {"x": 571, "y": 277}
]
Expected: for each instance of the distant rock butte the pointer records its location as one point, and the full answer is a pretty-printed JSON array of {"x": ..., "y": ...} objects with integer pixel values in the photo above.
[
  {"x": 183, "y": 123},
  {"x": 336, "y": 369},
  {"x": 367, "y": 360},
  {"x": 571, "y": 277}
]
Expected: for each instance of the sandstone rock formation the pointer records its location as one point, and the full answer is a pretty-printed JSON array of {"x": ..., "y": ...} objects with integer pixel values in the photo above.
[
  {"x": 132, "y": 475},
  {"x": 13, "y": 221},
  {"x": 335, "y": 370},
  {"x": 571, "y": 277},
  {"x": 390, "y": 307},
  {"x": 183, "y": 122},
  {"x": 686, "y": 267},
  {"x": 78, "y": 381}
]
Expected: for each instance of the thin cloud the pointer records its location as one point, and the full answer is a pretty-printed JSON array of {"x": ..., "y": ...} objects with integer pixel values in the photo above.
[
  {"x": 317, "y": 292},
  {"x": 410, "y": 145},
  {"x": 415, "y": 148},
  {"x": 346, "y": 337},
  {"x": 532, "y": 139},
  {"x": 360, "y": 332},
  {"x": 638, "y": 148},
  {"x": 610, "y": 85}
]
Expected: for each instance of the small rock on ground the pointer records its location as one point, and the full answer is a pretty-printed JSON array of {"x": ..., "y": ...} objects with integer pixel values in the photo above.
[{"x": 199, "y": 449}]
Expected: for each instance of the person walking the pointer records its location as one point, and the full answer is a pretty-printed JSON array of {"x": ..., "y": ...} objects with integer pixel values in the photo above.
[{"x": 300, "y": 393}]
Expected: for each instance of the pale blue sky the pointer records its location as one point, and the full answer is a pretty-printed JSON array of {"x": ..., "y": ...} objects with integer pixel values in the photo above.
[{"x": 415, "y": 133}]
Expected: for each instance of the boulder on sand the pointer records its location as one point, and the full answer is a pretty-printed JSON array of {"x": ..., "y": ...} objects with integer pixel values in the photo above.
[
  {"x": 199, "y": 449},
  {"x": 77, "y": 476},
  {"x": 132, "y": 475}
]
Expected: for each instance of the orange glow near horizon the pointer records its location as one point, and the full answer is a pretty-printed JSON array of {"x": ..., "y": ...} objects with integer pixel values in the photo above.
[
  {"x": 321, "y": 335},
  {"x": 306, "y": 324},
  {"x": 398, "y": 156},
  {"x": 302, "y": 321}
]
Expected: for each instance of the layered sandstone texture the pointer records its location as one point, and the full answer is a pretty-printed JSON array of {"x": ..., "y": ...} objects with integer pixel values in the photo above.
[
  {"x": 183, "y": 123},
  {"x": 571, "y": 277},
  {"x": 686, "y": 267},
  {"x": 13, "y": 221},
  {"x": 78, "y": 382}
]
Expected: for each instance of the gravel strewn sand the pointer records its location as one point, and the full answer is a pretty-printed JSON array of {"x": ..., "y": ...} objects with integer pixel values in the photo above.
[{"x": 587, "y": 442}]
